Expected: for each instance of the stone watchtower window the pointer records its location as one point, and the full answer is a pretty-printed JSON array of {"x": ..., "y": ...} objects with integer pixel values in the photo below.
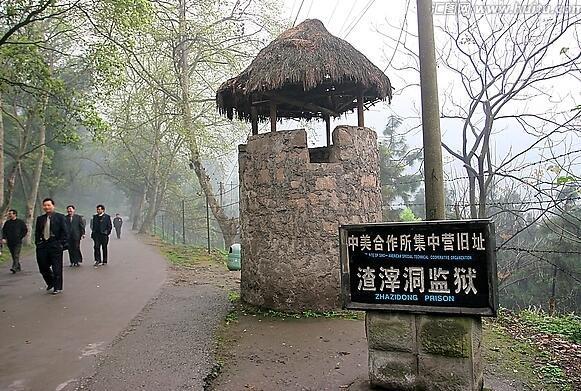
[{"x": 321, "y": 155}]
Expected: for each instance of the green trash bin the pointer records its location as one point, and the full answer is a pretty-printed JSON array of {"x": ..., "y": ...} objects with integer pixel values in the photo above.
[{"x": 234, "y": 257}]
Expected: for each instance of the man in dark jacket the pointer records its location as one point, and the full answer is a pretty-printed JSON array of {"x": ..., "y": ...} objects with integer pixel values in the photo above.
[
  {"x": 13, "y": 231},
  {"x": 51, "y": 238},
  {"x": 76, "y": 227},
  {"x": 101, "y": 227},
  {"x": 117, "y": 223}
]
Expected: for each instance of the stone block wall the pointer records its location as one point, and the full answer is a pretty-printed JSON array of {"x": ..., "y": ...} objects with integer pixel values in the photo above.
[
  {"x": 292, "y": 201},
  {"x": 409, "y": 352}
]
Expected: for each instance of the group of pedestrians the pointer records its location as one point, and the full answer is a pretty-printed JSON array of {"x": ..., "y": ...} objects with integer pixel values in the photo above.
[{"x": 55, "y": 233}]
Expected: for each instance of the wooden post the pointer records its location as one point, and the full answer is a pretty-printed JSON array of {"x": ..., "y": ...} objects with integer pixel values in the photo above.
[
  {"x": 360, "y": 121},
  {"x": 328, "y": 128},
  {"x": 272, "y": 116},
  {"x": 254, "y": 119},
  {"x": 183, "y": 222}
]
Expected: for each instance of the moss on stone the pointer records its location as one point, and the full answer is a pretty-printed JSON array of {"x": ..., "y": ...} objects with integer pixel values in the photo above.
[
  {"x": 449, "y": 337},
  {"x": 393, "y": 332}
]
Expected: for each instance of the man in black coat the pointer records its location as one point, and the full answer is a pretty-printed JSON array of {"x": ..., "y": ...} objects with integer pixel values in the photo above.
[
  {"x": 76, "y": 227},
  {"x": 13, "y": 231},
  {"x": 117, "y": 223},
  {"x": 51, "y": 238},
  {"x": 101, "y": 227}
]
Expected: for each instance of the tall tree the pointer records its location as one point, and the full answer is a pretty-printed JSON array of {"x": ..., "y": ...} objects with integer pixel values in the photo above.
[
  {"x": 396, "y": 166},
  {"x": 201, "y": 43}
]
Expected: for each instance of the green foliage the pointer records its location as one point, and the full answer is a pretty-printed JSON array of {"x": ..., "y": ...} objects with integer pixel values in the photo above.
[
  {"x": 555, "y": 375},
  {"x": 180, "y": 255},
  {"x": 565, "y": 179},
  {"x": 566, "y": 326},
  {"x": 233, "y": 297},
  {"x": 129, "y": 15},
  {"x": 408, "y": 215},
  {"x": 108, "y": 63},
  {"x": 4, "y": 256},
  {"x": 517, "y": 359},
  {"x": 527, "y": 277},
  {"x": 231, "y": 317}
]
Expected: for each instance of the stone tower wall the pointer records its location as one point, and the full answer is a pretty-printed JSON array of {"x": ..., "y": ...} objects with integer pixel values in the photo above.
[{"x": 292, "y": 201}]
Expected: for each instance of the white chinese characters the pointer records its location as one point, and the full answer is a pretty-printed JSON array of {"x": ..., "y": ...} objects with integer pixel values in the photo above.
[
  {"x": 418, "y": 279},
  {"x": 447, "y": 241}
]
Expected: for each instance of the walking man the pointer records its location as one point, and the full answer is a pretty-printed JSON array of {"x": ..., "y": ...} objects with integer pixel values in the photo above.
[
  {"x": 51, "y": 238},
  {"x": 13, "y": 231},
  {"x": 117, "y": 223},
  {"x": 100, "y": 230},
  {"x": 76, "y": 227}
]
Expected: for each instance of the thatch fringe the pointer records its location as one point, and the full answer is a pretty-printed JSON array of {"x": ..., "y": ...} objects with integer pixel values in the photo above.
[{"x": 303, "y": 59}]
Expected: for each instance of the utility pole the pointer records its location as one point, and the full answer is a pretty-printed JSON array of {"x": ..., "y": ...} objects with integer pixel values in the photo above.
[
  {"x": 208, "y": 222},
  {"x": 433, "y": 171}
]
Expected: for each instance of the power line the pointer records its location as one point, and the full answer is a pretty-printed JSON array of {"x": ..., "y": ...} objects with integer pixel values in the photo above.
[
  {"x": 360, "y": 17},
  {"x": 403, "y": 24},
  {"x": 347, "y": 17},
  {"x": 333, "y": 13},
  {"x": 298, "y": 12}
]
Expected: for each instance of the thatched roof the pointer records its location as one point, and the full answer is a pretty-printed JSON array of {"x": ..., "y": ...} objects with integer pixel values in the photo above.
[{"x": 308, "y": 73}]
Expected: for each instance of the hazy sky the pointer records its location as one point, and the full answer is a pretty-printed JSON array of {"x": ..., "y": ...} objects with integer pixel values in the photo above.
[{"x": 358, "y": 21}]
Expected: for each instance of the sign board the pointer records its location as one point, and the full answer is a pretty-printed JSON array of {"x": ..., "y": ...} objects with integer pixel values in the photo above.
[{"x": 446, "y": 266}]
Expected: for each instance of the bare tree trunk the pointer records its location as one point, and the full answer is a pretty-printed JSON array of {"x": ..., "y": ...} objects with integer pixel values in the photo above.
[
  {"x": 137, "y": 209},
  {"x": 1, "y": 159},
  {"x": 472, "y": 194},
  {"x": 228, "y": 226},
  {"x": 37, "y": 174},
  {"x": 10, "y": 188},
  {"x": 16, "y": 166},
  {"x": 152, "y": 193}
]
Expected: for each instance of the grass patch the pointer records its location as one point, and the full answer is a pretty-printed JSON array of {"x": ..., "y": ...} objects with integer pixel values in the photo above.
[
  {"x": 555, "y": 376},
  {"x": 233, "y": 297},
  {"x": 517, "y": 359},
  {"x": 566, "y": 326},
  {"x": 247, "y": 309},
  {"x": 4, "y": 257},
  {"x": 507, "y": 346},
  {"x": 231, "y": 317},
  {"x": 181, "y": 255}
]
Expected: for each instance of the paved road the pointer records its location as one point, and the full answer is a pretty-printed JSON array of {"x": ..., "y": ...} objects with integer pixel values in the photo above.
[
  {"x": 46, "y": 341},
  {"x": 169, "y": 346}
]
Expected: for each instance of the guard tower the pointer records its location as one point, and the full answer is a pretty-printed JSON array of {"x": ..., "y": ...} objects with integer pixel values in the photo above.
[{"x": 292, "y": 198}]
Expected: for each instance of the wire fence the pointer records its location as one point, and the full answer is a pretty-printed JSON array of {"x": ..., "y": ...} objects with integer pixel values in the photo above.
[{"x": 190, "y": 221}]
